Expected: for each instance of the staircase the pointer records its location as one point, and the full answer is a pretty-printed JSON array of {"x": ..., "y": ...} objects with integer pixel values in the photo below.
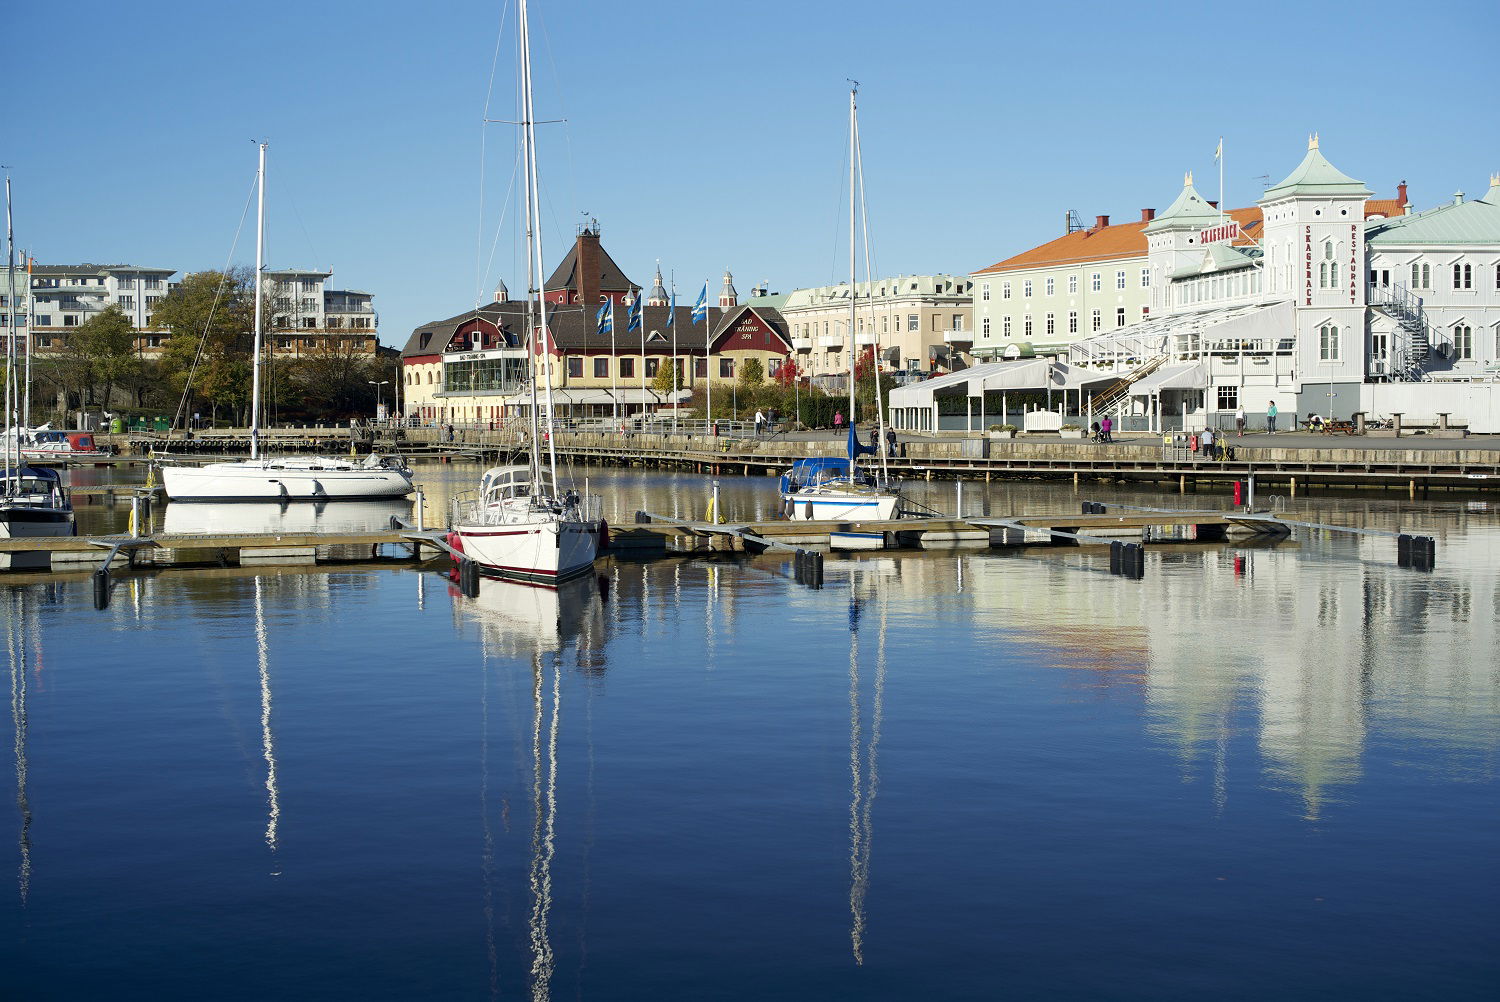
[
  {"x": 1118, "y": 392},
  {"x": 1414, "y": 347}
]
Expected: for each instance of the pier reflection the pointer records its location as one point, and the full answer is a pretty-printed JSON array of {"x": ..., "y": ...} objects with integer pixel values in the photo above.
[{"x": 329, "y": 516}]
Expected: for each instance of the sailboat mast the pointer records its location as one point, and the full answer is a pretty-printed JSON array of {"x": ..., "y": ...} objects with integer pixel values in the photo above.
[
  {"x": 533, "y": 215},
  {"x": 260, "y": 250},
  {"x": 853, "y": 347},
  {"x": 13, "y": 433},
  {"x": 30, "y": 325}
]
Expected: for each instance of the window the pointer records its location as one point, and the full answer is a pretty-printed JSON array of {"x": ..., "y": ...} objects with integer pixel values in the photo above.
[
  {"x": 153, "y": 283},
  {"x": 1005, "y": 328},
  {"x": 1328, "y": 343},
  {"x": 1026, "y": 327},
  {"x": 885, "y": 325},
  {"x": 1119, "y": 280},
  {"x": 1463, "y": 277},
  {"x": 1097, "y": 320},
  {"x": 1229, "y": 398},
  {"x": 1073, "y": 322},
  {"x": 152, "y": 301},
  {"x": 575, "y": 367},
  {"x": 773, "y": 367},
  {"x": 309, "y": 306},
  {"x": 1051, "y": 325},
  {"x": 363, "y": 323},
  {"x": 726, "y": 368},
  {"x": 1094, "y": 281},
  {"x": 309, "y": 285},
  {"x": 1072, "y": 284},
  {"x": 1120, "y": 317},
  {"x": 1051, "y": 285},
  {"x": 1497, "y": 276},
  {"x": 1328, "y": 268},
  {"x": 1463, "y": 341},
  {"x": 935, "y": 321},
  {"x": 1026, "y": 289},
  {"x": 984, "y": 291},
  {"x": 984, "y": 326},
  {"x": 1004, "y": 290},
  {"x": 44, "y": 320},
  {"x": 310, "y": 323},
  {"x": 653, "y": 366},
  {"x": 334, "y": 323},
  {"x": 913, "y": 322},
  {"x": 627, "y": 368},
  {"x": 70, "y": 320},
  {"x": 700, "y": 367},
  {"x": 1145, "y": 278},
  {"x": 958, "y": 321},
  {"x": 601, "y": 368}
]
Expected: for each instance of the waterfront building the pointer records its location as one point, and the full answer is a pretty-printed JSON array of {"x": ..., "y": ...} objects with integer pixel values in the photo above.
[
  {"x": 308, "y": 318},
  {"x": 916, "y": 324},
  {"x": 1320, "y": 299},
  {"x": 64, "y": 296},
  {"x": 472, "y": 368}
]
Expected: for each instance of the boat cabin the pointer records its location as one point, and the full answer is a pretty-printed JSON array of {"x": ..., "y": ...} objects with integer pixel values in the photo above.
[
  {"x": 505, "y": 483},
  {"x": 817, "y": 470},
  {"x": 33, "y": 481}
]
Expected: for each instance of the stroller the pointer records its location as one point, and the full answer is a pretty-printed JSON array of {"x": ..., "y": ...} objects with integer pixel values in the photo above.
[{"x": 1095, "y": 435}]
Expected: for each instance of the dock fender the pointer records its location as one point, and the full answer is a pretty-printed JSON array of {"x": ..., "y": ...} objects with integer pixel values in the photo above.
[{"x": 603, "y": 534}]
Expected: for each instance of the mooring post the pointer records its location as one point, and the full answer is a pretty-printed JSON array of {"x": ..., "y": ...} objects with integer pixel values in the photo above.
[
  {"x": 1292, "y": 486},
  {"x": 421, "y": 505},
  {"x": 958, "y": 486}
]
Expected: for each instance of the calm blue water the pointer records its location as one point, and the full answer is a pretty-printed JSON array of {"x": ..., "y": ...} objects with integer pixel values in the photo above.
[{"x": 1257, "y": 773}]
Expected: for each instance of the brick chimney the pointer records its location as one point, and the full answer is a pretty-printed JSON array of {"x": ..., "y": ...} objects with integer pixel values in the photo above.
[
  {"x": 1100, "y": 222},
  {"x": 1147, "y": 215},
  {"x": 588, "y": 269},
  {"x": 1401, "y": 197}
]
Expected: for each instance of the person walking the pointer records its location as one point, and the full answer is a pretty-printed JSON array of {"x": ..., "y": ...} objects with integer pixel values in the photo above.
[
  {"x": 760, "y": 422},
  {"x": 890, "y": 441},
  {"x": 1106, "y": 429},
  {"x": 1239, "y": 421},
  {"x": 838, "y": 420},
  {"x": 1271, "y": 417}
]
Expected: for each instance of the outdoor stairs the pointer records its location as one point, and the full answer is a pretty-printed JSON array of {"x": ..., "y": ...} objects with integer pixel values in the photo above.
[
  {"x": 1117, "y": 394},
  {"x": 1410, "y": 356}
]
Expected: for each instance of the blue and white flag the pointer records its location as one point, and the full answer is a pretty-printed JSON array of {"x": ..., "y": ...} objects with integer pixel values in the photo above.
[
  {"x": 700, "y": 308},
  {"x": 605, "y": 319},
  {"x": 634, "y": 322},
  {"x": 672, "y": 310}
]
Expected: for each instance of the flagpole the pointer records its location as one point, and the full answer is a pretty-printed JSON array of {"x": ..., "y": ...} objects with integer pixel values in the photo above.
[
  {"x": 708, "y": 361},
  {"x": 672, "y": 321},
  {"x": 614, "y": 365},
  {"x": 1220, "y": 158}
]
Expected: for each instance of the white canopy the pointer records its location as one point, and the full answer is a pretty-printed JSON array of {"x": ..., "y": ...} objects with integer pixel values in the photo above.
[{"x": 1181, "y": 376}]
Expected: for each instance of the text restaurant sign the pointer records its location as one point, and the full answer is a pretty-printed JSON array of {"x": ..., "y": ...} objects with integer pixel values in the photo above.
[{"x": 1217, "y": 234}]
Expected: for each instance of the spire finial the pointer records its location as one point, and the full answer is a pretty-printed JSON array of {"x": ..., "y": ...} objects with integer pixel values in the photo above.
[
  {"x": 1495, "y": 179},
  {"x": 1312, "y": 141},
  {"x": 1187, "y": 179}
]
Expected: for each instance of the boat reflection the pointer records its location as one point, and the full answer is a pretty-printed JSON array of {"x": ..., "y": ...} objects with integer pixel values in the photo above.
[
  {"x": 267, "y": 739},
  {"x": 21, "y": 614},
  {"x": 328, "y": 516},
  {"x": 864, "y": 771},
  {"x": 536, "y": 627}
]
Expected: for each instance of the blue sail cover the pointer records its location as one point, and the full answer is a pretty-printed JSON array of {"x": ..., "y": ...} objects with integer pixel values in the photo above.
[{"x": 856, "y": 449}]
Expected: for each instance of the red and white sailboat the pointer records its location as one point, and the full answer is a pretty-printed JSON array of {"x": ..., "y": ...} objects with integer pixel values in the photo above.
[{"x": 522, "y": 523}]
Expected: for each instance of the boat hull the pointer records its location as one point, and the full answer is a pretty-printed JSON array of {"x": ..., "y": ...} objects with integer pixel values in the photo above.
[
  {"x": 543, "y": 552},
  {"x": 32, "y": 522},
  {"x": 264, "y": 482},
  {"x": 806, "y": 506}
]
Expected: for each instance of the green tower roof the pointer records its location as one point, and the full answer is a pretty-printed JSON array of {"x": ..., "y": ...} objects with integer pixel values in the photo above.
[{"x": 1316, "y": 176}]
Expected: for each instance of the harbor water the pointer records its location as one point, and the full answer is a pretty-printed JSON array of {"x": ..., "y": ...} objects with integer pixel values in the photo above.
[{"x": 1261, "y": 771}]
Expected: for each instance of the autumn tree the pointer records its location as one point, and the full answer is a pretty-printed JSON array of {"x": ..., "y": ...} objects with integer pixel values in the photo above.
[
  {"x": 209, "y": 316},
  {"x": 752, "y": 373}
]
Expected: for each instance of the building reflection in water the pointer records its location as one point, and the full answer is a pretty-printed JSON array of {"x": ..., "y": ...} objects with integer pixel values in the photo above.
[{"x": 538, "y": 627}]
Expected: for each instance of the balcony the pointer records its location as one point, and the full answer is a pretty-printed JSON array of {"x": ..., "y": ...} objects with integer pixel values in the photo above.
[
  {"x": 830, "y": 340},
  {"x": 958, "y": 337},
  {"x": 802, "y": 344},
  {"x": 348, "y": 308},
  {"x": 866, "y": 338}
]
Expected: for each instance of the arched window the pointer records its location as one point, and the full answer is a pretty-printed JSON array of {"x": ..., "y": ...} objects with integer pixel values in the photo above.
[
  {"x": 1328, "y": 269},
  {"x": 1463, "y": 341},
  {"x": 1328, "y": 343}
]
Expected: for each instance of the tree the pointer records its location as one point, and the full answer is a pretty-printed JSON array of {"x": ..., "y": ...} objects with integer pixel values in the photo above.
[
  {"x": 789, "y": 374},
  {"x": 210, "y": 318},
  {"x": 105, "y": 344},
  {"x": 663, "y": 382},
  {"x": 752, "y": 373}
]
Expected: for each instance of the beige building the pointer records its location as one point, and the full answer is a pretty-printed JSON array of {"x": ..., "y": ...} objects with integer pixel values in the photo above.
[{"x": 915, "y": 323}]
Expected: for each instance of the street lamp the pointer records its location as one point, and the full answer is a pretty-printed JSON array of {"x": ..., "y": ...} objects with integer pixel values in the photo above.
[{"x": 378, "y": 385}]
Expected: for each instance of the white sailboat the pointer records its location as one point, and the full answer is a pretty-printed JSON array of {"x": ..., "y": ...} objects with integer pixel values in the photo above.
[
  {"x": 835, "y": 487},
  {"x": 283, "y": 478},
  {"x": 521, "y": 524},
  {"x": 33, "y": 501}
]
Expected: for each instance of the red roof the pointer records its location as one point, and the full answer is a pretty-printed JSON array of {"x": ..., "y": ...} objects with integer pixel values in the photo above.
[{"x": 1107, "y": 243}]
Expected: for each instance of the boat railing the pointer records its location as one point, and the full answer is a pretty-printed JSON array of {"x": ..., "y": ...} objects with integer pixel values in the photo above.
[{"x": 469, "y": 508}]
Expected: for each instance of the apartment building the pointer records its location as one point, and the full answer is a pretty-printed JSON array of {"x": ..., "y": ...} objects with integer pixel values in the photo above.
[
  {"x": 64, "y": 296},
  {"x": 916, "y": 323}
]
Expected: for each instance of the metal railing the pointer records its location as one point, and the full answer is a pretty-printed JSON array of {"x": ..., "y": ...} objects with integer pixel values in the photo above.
[{"x": 468, "y": 508}]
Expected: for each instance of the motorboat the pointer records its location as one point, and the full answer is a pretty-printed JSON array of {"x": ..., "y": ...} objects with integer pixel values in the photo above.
[{"x": 33, "y": 503}]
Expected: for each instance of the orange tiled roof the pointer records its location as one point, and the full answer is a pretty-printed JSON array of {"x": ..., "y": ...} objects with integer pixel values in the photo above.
[
  {"x": 1108, "y": 243},
  {"x": 1387, "y": 207}
]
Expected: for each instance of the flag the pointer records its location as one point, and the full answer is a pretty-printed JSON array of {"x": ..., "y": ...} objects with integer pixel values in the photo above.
[
  {"x": 605, "y": 319},
  {"x": 633, "y": 321},
  {"x": 700, "y": 308},
  {"x": 672, "y": 310},
  {"x": 1219, "y": 150}
]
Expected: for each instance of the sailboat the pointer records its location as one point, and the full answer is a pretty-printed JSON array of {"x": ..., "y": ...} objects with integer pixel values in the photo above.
[
  {"x": 33, "y": 501},
  {"x": 522, "y": 523},
  {"x": 283, "y": 478},
  {"x": 835, "y": 487}
]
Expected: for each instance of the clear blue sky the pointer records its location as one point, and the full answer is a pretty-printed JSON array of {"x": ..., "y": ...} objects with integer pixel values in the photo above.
[{"x": 707, "y": 134}]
